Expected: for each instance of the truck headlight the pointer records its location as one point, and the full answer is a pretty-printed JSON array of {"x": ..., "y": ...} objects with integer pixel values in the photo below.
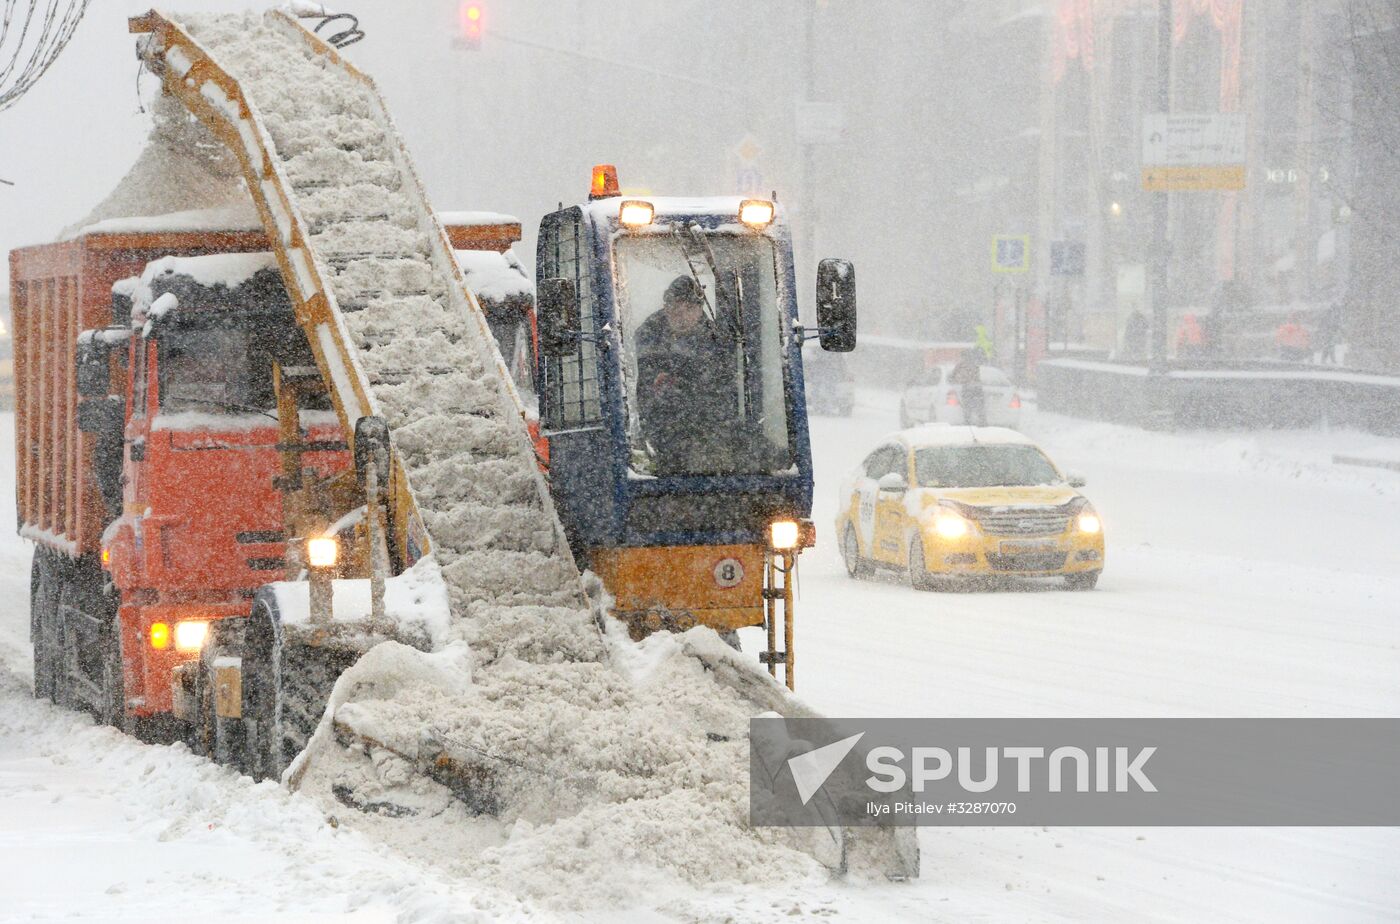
[
  {"x": 636, "y": 213},
  {"x": 949, "y": 525},
  {"x": 190, "y": 636},
  {"x": 1088, "y": 522},
  {"x": 322, "y": 551},
  {"x": 784, "y": 534},
  {"x": 756, "y": 213}
]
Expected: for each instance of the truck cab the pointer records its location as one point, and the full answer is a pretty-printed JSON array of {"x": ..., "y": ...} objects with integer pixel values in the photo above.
[
  {"x": 678, "y": 440},
  {"x": 200, "y": 524}
]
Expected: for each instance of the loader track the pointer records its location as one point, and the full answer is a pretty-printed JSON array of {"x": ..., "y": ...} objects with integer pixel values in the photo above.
[{"x": 433, "y": 373}]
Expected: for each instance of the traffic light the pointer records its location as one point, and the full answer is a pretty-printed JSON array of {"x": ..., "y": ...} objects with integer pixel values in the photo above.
[{"x": 471, "y": 22}]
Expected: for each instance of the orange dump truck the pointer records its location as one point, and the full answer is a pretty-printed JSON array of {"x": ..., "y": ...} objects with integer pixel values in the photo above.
[{"x": 154, "y": 471}]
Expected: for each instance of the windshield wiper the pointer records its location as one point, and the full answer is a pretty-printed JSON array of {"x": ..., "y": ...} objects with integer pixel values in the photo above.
[{"x": 690, "y": 265}]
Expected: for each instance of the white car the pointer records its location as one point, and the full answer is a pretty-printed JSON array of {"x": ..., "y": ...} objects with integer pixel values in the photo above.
[{"x": 930, "y": 398}]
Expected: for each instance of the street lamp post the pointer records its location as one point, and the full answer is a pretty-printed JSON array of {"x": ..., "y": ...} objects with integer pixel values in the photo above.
[{"x": 1161, "y": 246}]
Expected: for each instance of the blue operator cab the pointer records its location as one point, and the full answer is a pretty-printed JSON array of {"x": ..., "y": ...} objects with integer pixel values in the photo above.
[{"x": 669, "y": 376}]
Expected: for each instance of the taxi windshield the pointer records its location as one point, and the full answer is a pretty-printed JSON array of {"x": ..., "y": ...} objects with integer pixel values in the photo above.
[
  {"x": 983, "y": 466},
  {"x": 702, "y": 353}
]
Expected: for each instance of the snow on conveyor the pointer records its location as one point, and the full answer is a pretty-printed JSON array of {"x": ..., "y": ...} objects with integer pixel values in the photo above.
[{"x": 605, "y": 764}]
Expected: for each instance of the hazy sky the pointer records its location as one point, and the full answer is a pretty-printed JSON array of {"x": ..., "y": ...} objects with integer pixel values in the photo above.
[{"x": 687, "y": 97}]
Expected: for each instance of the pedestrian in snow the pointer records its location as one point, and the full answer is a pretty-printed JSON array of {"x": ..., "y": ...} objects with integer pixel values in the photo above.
[
  {"x": 1329, "y": 332},
  {"x": 967, "y": 376},
  {"x": 1135, "y": 336},
  {"x": 984, "y": 342},
  {"x": 1292, "y": 339},
  {"x": 1190, "y": 339}
]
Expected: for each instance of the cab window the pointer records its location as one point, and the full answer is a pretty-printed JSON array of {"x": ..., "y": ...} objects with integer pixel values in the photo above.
[
  {"x": 569, "y": 389},
  {"x": 884, "y": 460},
  {"x": 984, "y": 466}
]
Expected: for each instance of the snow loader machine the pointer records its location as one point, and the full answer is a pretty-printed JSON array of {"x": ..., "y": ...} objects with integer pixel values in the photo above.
[{"x": 322, "y": 398}]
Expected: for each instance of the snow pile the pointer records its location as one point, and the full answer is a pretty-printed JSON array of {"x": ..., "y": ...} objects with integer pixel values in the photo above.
[
  {"x": 521, "y": 745},
  {"x": 602, "y": 785},
  {"x": 1279, "y": 455},
  {"x": 183, "y": 168},
  {"x": 495, "y": 277},
  {"x": 238, "y": 216}
]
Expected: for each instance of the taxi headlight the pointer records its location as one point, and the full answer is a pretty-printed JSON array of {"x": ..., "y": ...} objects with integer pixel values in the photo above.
[
  {"x": 1088, "y": 522},
  {"x": 189, "y": 636},
  {"x": 783, "y": 534},
  {"x": 949, "y": 525}
]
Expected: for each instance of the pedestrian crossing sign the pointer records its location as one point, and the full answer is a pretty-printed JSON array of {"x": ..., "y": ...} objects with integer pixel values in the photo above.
[{"x": 1011, "y": 253}]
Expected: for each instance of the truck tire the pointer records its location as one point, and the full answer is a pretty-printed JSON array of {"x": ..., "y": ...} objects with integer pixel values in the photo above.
[
  {"x": 43, "y": 614},
  {"x": 111, "y": 707},
  {"x": 66, "y": 653},
  {"x": 918, "y": 568},
  {"x": 856, "y": 566}
]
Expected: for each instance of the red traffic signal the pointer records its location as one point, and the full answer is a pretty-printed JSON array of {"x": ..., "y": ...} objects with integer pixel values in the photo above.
[{"x": 471, "y": 23}]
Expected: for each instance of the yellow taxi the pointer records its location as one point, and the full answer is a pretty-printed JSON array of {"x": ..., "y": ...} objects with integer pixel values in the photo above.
[{"x": 942, "y": 501}]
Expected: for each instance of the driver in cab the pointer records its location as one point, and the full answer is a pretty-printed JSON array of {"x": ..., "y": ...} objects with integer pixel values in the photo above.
[{"x": 685, "y": 391}]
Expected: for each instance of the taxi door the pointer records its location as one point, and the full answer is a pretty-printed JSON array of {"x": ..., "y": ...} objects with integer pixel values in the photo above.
[
  {"x": 864, "y": 498},
  {"x": 889, "y": 508}
]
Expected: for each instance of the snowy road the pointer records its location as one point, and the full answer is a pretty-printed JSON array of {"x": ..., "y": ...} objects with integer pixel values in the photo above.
[{"x": 1246, "y": 575}]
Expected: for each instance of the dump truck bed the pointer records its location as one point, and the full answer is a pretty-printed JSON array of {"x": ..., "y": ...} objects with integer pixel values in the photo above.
[{"x": 57, "y": 291}]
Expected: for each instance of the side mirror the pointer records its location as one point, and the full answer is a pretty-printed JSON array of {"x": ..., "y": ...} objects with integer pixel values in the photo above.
[
  {"x": 94, "y": 371},
  {"x": 836, "y": 305},
  {"x": 1075, "y": 480},
  {"x": 103, "y": 416},
  {"x": 557, "y": 316},
  {"x": 893, "y": 482}
]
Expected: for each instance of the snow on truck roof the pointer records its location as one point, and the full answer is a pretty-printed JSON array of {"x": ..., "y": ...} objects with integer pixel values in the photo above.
[
  {"x": 218, "y": 269},
  {"x": 242, "y": 216},
  {"x": 472, "y": 219},
  {"x": 493, "y": 276},
  {"x": 942, "y": 434},
  {"x": 219, "y": 279}
]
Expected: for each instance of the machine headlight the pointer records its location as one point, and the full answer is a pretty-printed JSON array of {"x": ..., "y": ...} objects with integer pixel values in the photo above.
[
  {"x": 756, "y": 213},
  {"x": 636, "y": 213},
  {"x": 190, "y": 636},
  {"x": 1088, "y": 522},
  {"x": 949, "y": 525},
  {"x": 784, "y": 534},
  {"x": 322, "y": 551},
  {"x": 160, "y": 635}
]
